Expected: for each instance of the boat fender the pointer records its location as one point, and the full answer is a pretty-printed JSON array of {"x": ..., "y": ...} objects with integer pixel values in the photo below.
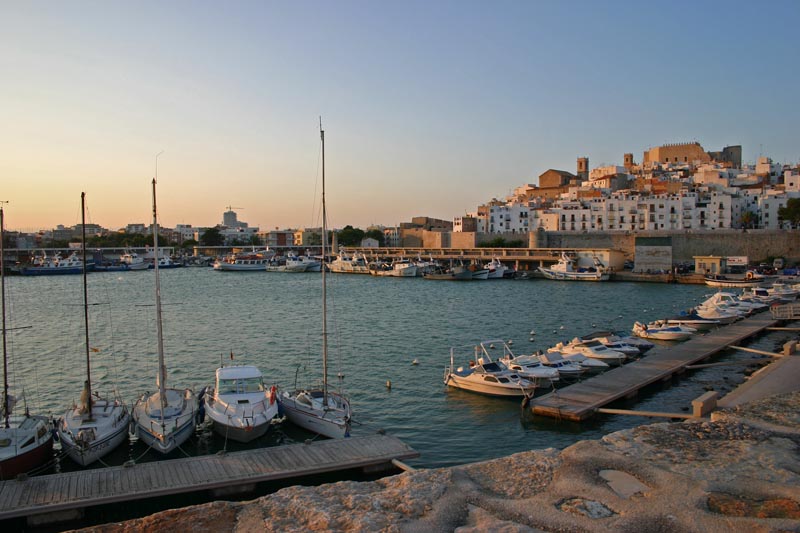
[
  {"x": 749, "y": 275},
  {"x": 273, "y": 394}
]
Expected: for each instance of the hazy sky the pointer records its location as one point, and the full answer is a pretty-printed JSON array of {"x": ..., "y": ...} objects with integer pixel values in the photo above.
[{"x": 430, "y": 107}]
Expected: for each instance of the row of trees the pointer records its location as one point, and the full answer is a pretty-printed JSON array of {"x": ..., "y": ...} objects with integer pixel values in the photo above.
[{"x": 347, "y": 236}]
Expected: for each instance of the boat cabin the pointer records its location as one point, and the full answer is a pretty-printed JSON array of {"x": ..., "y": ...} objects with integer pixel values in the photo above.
[{"x": 243, "y": 379}]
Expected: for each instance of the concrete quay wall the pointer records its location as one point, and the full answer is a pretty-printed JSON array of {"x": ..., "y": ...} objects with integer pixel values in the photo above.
[{"x": 757, "y": 245}]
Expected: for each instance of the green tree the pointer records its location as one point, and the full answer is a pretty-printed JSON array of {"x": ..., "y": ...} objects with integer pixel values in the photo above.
[
  {"x": 749, "y": 219},
  {"x": 377, "y": 235},
  {"x": 212, "y": 237},
  {"x": 790, "y": 213},
  {"x": 188, "y": 243},
  {"x": 350, "y": 236}
]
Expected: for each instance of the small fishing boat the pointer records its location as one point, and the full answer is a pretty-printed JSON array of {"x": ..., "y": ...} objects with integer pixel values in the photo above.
[
  {"x": 750, "y": 279},
  {"x": 595, "y": 349},
  {"x": 693, "y": 320},
  {"x": 45, "y": 265},
  {"x": 564, "y": 270},
  {"x": 133, "y": 260}
]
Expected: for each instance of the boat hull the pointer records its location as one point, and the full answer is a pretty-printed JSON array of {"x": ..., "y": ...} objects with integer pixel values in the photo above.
[
  {"x": 166, "y": 433},
  {"x": 482, "y": 387},
  {"x": 574, "y": 276},
  {"x": 112, "y": 433},
  {"x": 334, "y": 424},
  {"x": 11, "y": 467},
  {"x": 240, "y": 434}
]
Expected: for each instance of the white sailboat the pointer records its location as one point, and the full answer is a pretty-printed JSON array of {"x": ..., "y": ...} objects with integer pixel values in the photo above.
[
  {"x": 319, "y": 409},
  {"x": 27, "y": 441},
  {"x": 164, "y": 419},
  {"x": 96, "y": 425}
]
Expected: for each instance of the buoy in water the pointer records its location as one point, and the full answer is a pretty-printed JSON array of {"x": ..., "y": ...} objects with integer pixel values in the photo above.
[
  {"x": 414, "y": 362},
  {"x": 533, "y": 333},
  {"x": 388, "y": 384},
  {"x": 510, "y": 342},
  {"x": 531, "y": 340},
  {"x": 491, "y": 346}
]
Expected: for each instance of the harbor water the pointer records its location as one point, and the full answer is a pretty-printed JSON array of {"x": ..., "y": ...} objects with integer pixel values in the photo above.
[{"x": 377, "y": 328}]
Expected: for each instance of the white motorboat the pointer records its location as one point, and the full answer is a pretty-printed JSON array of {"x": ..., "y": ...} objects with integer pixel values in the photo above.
[
  {"x": 484, "y": 376},
  {"x": 95, "y": 426},
  {"x": 133, "y": 260},
  {"x": 426, "y": 267},
  {"x": 27, "y": 441},
  {"x": 594, "y": 349},
  {"x": 318, "y": 409},
  {"x": 165, "y": 419},
  {"x": 565, "y": 270},
  {"x": 761, "y": 295},
  {"x": 729, "y": 301},
  {"x": 348, "y": 264},
  {"x": 530, "y": 367},
  {"x": 566, "y": 368},
  {"x": 718, "y": 313},
  {"x": 587, "y": 363},
  {"x": 662, "y": 332},
  {"x": 693, "y": 320},
  {"x": 240, "y": 406},
  {"x": 496, "y": 268},
  {"x": 783, "y": 291},
  {"x": 302, "y": 263},
  {"x": 610, "y": 338},
  {"x": 249, "y": 261}
]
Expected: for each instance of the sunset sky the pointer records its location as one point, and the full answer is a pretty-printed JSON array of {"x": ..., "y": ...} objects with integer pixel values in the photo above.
[{"x": 430, "y": 107}]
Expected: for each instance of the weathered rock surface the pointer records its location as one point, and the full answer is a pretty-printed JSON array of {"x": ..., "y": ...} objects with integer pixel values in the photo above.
[{"x": 739, "y": 472}]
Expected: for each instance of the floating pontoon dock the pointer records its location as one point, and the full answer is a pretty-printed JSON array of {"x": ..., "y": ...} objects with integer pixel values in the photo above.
[
  {"x": 74, "y": 491},
  {"x": 580, "y": 401}
]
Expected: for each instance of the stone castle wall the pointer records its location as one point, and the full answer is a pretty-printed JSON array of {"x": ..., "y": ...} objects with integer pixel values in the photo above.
[{"x": 757, "y": 245}]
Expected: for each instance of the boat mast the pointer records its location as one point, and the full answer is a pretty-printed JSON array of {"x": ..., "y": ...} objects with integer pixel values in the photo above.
[
  {"x": 86, "y": 308},
  {"x": 161, "y": 379},
  {"x": 3, "y": 291},
  {"x": 324, "y": 288}
]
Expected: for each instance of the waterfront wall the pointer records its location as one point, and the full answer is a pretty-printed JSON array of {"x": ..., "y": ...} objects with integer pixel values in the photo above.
[{"x": 757, "y": 245}]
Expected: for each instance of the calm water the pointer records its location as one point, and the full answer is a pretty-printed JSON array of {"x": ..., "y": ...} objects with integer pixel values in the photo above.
[{"x": 377, "y": 326}]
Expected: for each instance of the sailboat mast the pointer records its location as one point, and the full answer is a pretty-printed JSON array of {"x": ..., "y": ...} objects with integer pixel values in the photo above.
[
  {"x": 3, "y": 296},
  {"x": 86, "y": 308},
  {"x": 162, "y": 370},
  {"x": 324, "y": 285}
]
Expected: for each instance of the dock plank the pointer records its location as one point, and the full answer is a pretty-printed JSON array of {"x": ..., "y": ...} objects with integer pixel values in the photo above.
[
  {"x": 580, "y": 401},
  {"x": 86, "y": 488}
]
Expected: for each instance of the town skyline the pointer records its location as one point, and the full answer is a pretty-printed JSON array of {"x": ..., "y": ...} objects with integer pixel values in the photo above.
[{"x": 429, "y": 109}]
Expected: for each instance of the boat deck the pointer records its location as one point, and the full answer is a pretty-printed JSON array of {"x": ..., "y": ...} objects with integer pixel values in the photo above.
[
  {"x": 580, "y": 401},
  {"x": 78, "y": 490}
]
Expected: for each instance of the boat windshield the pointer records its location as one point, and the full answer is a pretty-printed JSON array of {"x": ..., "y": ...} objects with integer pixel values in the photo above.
[{"x": 239, "y": 386}]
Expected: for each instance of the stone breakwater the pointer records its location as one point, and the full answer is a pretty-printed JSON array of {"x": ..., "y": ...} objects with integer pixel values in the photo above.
[{"x": 738, "y": 471}]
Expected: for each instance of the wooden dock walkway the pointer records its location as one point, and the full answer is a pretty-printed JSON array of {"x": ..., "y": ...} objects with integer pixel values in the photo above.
[
  {"x": 580, "y": 401},
  {"x": 86, "y": 488}
]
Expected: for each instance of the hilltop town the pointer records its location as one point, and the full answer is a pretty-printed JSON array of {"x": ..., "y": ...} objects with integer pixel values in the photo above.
[{"x": 675, "y": 188}]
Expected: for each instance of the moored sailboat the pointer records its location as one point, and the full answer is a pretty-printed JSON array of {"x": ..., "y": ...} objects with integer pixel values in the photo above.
[
  {"x": 319, "y": 409},
  {"x": 164, "y": 419},
  {"x": 95, "y": 426},
  {"x": 27, "y": 441}
]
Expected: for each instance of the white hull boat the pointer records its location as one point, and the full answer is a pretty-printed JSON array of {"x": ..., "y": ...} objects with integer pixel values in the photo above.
[
  {"x": 240, "y": 406},
  {"x": 165, "y": 419},
  {"x": 662, "y": 333},
  {"x": 564, "y": 270},
  {"x": 484, "y": 376},
  {"x": 319, "y": 409}
]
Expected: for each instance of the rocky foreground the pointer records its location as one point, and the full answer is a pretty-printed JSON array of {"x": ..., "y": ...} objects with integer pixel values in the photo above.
[{"x": 740, "y": 471}]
